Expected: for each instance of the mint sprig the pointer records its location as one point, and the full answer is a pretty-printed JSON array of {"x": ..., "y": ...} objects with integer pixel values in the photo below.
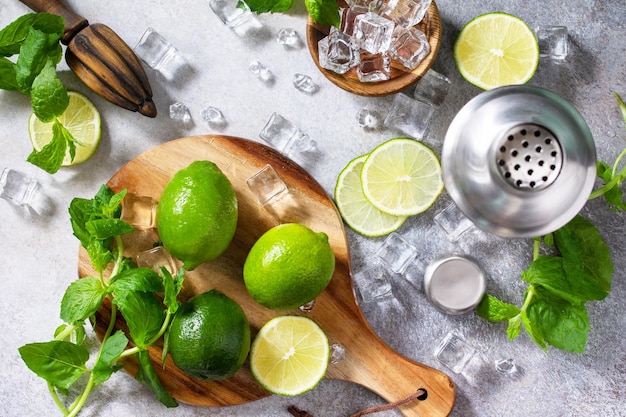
[
  {"x": 34, "y": 39},
  {"x": 554, "y": 312},
  {"x": 146, "y": 300},
  {"x": 324, "y": 12}
]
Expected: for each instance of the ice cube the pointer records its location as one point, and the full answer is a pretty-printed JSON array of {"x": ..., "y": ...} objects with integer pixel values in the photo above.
[
  {"x": 280, "y": 132},
  {"x": 405, "y": 13},
  {"x": 156, "y": 258},
  {"x": 409, "y": 46},
  {"x": 305, "y": 84},
  {"x": 179, "y": 112},
  {"x": 373, "y": 32},
  {"x": 267, "y": 186},
  {"x": 453, "y": 222},
  {"x": 368, "y": 119},
  {"x": 338, "y": 52},
  {"x": 213, "y": 116},
  {"x": 373, "y": 284},
  {"x": 288, "y": 37},
  {"x": 454, "y": 353},
  {"x": 24, "y": 191},
  {"x": 374, "y": 67},
  {"x": 337, "y": 353},
  {"x": 160, "y": 55},
  {"x": 553, "y": 41},
  {"x": 139, "y": 211},
  {"x": 432, "y": 88},
  {"x": 236, "y": 15},
  {"x": 261, "y": 72},
  {"x": 347, "y": 17},
  {"x": 408, "y": 115},
  {"x": 396, "y": 252}
]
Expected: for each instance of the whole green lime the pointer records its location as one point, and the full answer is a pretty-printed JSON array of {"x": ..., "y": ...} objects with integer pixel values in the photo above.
[
  {"x": 209, "y": 337},
  {"x": 288, "y": 266},
  {"x": 197, "y": 214}
]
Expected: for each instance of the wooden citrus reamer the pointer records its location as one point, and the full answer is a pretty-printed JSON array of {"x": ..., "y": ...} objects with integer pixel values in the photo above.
[{"x": 101, "y": 59}]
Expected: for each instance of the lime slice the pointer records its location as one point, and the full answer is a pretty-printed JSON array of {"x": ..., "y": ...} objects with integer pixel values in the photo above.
[
  {"x": 402, "y": 177},
  {"x": 356, "y": 210},
  {"x": 496, "y": 49},
  {"x": 289, "y": 355},
  {"x": 82, "y": 120}
]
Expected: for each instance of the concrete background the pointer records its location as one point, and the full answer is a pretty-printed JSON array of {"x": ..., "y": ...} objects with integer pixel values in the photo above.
[{"x": 39, "y": 253}]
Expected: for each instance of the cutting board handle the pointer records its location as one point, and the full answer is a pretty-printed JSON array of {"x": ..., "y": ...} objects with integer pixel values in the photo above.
[{"x": 74, "y": 23}]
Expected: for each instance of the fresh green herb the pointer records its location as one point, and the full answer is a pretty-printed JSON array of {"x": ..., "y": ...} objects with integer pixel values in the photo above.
[
  {"x": 611, "y": 176},
  {"x": 132, "y": 291},
  {"x": 35, "y": 39},
  {"x": 553, "y": 312},
  {"x": 324, "y": 12}
]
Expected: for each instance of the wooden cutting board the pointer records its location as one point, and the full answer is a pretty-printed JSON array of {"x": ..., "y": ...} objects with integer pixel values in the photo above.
[{"x": 368, "y": 360}]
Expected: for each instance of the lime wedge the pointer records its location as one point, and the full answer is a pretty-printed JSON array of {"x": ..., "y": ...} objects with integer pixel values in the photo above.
[
  {"x": 289, "y": 355},
  {"x": 496, "y": 49},
  {"x": 402, "y": 177},
  {"x": 81, "y": 119},
  {"x": 356, "y": 210}
]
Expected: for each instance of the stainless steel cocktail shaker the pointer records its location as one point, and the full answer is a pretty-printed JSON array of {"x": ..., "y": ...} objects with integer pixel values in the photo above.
[{"x": 519, "y": 161}]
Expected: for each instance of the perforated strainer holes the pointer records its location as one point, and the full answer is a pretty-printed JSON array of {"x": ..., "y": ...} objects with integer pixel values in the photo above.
[{"x": 529, "y": 157}]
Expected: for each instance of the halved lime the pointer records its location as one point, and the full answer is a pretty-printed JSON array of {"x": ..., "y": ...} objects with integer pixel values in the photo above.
[
  {"x": 356, "y": 210},
  {"x": 289, "y": 355},
  {"x": 402, "y": 177},
  {"x": 81, "y": 119},
  {"x": 496, "y": 49}
]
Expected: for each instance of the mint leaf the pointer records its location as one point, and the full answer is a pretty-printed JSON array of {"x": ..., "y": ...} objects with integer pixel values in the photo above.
[
  {"x": 494, "y": 310},
  {"x": 562, "y": 324},
  {"x": 111, "y": 350},
  {"x": 324, "y": 12},
  {"x": 622, "y": 107},
  {"x": 7, "y": 75},
  {"x": 99, "y": 255},
  {"x": 48, "y": 95},
  {"x": 613, "y": 196},
  {"x": 514, "y": 327},
  {"x": 563, "y": 278},
  {"x": 32, "y": 58},
  {"x": 534, "y": 332},
  {"x": 172, "y": 286},
  {"x": 103, "y": 229},
  {"x": 82, "y": 299},
  {"x": 107, "y": 204},
  {"x": 12, "y": 36},
  {"x": 58, "y": 362},
  {"x": 263, "y": 6},
  {"x": 51, "y": 24},
  {"x": 80, "y": 210},
  {"x": 143, "y": 314},
  {"x": 137, "y": 279},
  {"x": 51, "y": 156},
  {"x": 580, "y": 241},
  {"x": 147, "y": 376}
]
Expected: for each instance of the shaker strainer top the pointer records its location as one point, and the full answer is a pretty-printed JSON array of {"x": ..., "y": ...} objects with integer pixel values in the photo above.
[
  {"x": 529, "y": 157},
  {"x": 519, "y": 161}
]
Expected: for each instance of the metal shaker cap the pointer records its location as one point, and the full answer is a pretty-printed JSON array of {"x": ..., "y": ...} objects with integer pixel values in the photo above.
[
  {"x": 454, "y": 284},
  {"x": 519, "y": 161}
]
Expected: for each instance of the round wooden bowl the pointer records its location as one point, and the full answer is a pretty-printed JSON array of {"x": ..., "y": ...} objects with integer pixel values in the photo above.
[{"x": 400, "y": 76}]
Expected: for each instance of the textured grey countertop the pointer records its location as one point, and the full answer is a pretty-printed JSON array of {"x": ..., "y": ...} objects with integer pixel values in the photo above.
[{"x": 39, "y": 252}]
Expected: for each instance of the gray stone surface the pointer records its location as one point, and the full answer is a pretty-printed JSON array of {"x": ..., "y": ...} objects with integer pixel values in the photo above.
[{"x": 39, "y": 253}]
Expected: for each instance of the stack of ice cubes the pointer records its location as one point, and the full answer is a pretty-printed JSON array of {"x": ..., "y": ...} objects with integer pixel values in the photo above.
[{"x": 371, "y": 34}]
